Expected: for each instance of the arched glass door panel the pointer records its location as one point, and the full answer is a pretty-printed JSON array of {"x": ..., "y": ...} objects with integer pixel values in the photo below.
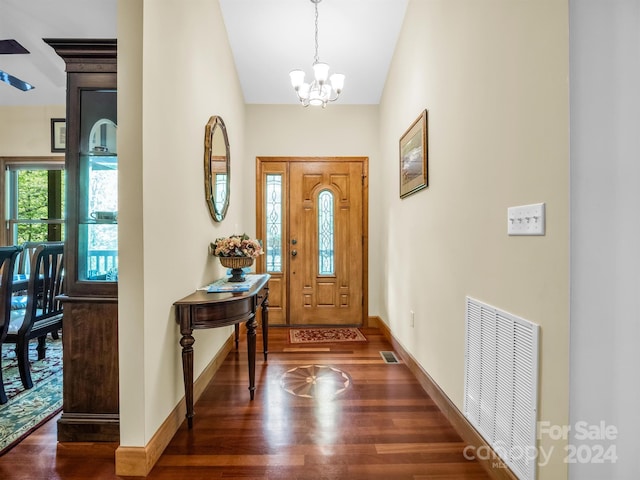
[{"x": 325, "y": 233}]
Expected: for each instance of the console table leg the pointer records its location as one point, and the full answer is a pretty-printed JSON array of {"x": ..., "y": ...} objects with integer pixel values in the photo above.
[
  {"x": 251, "y": 353},
  {"x": 237, "y": 332},
  {"x": 187, "y": 371},
  {"x": 265, "y": 326}
]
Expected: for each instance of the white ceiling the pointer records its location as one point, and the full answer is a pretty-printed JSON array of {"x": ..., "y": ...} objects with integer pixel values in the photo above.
[
  {"x": 28, "y": 22},
  {"x": 268, "y": 39}
]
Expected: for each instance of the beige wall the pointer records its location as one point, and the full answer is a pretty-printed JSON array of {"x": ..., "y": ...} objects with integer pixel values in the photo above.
[
  {"x": 165, "y": 99},
  {"x": 494, "y": 77},
  {"x": 26, "y": 131}
]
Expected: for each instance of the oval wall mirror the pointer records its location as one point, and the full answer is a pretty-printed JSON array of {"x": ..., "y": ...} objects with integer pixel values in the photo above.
[{"x": 216, "y": 168}]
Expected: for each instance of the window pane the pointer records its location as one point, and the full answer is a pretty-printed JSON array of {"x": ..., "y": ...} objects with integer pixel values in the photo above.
[
  {"x": 325, "y": 233},
  {"x": 274, "y": 223},
  {"x": 32, "y": 194}
]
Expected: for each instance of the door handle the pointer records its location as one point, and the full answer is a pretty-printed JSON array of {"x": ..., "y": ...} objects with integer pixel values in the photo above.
[{"x": 294, "y": 253}]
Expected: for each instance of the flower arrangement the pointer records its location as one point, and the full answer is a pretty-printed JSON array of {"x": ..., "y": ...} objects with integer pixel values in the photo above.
[{"x": 236, "y": 246}]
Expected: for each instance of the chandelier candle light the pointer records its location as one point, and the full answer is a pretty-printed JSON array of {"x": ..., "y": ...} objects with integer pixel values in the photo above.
[{"x": 319, "y": 92}]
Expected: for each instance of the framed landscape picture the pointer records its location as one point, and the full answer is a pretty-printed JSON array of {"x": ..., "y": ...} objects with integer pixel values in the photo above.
[{"x": 414, "y": 157}]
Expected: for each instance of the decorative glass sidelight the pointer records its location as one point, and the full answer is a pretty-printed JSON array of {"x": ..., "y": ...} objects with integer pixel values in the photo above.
[
  {"x": 273, "y": 250},
  {"x": 325, "y": 233}
]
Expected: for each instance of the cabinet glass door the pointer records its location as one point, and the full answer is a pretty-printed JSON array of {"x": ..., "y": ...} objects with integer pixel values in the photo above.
[{"x": 98, "y": 187}]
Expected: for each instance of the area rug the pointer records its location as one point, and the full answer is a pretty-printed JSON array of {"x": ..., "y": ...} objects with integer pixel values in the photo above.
[
  {"x": 325, "y": 335},
  {"x": 26, "y": 410}
]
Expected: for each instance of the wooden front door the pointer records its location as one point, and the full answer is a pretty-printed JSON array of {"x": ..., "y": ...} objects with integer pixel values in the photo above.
[{"x": 312, "y": 219}]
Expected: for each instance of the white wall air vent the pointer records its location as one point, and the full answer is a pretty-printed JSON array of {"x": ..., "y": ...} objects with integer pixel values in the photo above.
[{"x": 501, "y": 383}]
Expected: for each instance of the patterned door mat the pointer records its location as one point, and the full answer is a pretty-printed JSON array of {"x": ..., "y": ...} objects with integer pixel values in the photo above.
[{"x": 325, "y": 335}]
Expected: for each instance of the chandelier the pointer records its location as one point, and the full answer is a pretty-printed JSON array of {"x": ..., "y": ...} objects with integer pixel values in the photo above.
[{"x": 319, "y": 92}]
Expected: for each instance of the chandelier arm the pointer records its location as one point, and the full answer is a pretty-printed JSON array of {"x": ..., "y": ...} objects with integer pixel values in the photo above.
[
  {"x": 303, "y": 101},
  {"x": 333, "y": 96}
]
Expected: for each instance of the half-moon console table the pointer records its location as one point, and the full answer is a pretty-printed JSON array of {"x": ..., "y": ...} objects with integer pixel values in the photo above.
[{"x": 212, "y": 310}]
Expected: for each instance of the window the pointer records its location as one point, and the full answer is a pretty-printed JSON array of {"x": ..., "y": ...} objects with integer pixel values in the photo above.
[{"x": 35, "y": 202}]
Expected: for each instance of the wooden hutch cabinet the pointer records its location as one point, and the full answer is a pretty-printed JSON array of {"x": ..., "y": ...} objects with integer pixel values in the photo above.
[{"x": 90, "y": 410}]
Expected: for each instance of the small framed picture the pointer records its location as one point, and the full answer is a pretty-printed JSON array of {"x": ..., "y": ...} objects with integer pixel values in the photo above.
[
  {"x": 58, "y": 134},
  {"x": 414, "y": 157}
]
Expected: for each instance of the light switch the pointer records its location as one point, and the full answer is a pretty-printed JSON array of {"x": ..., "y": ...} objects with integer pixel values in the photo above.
[{"x": 526, "y": 219}]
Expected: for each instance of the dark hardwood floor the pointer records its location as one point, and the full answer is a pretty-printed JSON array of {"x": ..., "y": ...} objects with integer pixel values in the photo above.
[{"x": 380, "y": 425}]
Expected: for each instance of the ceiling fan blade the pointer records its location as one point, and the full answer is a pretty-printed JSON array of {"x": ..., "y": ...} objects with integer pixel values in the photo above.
[
  {"x": 15, "y": 82},
  {"x": 11, "y": 47}
]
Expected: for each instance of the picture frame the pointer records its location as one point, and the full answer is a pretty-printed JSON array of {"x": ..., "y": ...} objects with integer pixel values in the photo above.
[
  {"x": 58, "y": 134},
  {"x": 414, "y": 157}
]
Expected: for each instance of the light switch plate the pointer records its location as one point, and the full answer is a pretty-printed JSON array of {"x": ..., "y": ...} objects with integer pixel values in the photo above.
[{"x": 526, "y": 220}]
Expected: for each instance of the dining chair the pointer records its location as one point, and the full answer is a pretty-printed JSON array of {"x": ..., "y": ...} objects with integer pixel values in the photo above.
[
  {"x": 44, "y": 311},
  {"x": 23, "y": 264},
  {"x": 8, "y": 257},
  {"x": 22, "y": 267}
]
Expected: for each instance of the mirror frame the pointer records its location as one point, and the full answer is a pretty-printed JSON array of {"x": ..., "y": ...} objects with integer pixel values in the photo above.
[{"x": 217, "y": 212}]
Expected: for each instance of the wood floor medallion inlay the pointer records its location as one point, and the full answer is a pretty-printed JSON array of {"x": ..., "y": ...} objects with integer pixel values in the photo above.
[{"x": 315, "y": 381}]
